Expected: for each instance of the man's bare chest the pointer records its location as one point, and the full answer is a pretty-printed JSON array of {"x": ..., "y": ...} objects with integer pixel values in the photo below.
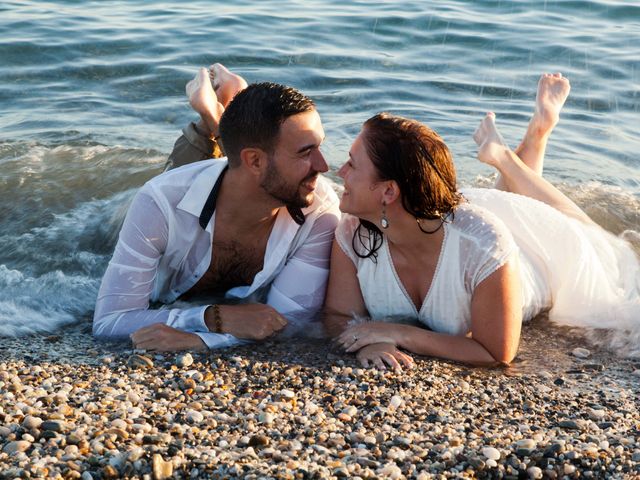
[{"x": 234, "y": 263}]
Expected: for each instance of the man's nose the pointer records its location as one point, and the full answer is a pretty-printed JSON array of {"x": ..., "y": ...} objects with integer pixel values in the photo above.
[{"x": 318, "y": 162}]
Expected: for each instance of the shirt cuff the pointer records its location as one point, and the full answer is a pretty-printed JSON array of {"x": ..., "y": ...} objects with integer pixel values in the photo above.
[
  {"x": 188, "y": 319},
  {"x": 220, "y": 340}
]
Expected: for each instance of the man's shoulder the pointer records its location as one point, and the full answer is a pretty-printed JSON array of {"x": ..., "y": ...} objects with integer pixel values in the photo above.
[
  {"x": 186, "y": 176},
  {"x": 186, "y": 173}
]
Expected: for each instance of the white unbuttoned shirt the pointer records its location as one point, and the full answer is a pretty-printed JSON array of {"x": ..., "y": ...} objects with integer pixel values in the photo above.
[{"x": 162, "y": 251}]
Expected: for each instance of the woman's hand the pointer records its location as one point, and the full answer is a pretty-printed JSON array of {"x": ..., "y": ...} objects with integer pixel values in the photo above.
[
  {"x": 381, "y": 355},
  {"x": 358, "y": 336}
]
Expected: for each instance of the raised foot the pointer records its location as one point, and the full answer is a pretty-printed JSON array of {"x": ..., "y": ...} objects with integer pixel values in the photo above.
[
  {"x": 553, "y": 90},
  {"x": 204, "y": 101},
  {"x": 492, "y": 149},
  {"x": 226, "y": 84}
]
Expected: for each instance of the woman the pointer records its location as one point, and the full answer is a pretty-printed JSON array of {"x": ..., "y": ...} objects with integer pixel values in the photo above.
[{"x": 469, "y": 266}]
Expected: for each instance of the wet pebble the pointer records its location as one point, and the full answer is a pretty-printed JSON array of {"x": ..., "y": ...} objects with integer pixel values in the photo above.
[
  {"x": 139, "y": 361},
  {"x": 184, "y": 360},
  {"x": 14, "y": 447},
  {"x": 161, "y": 469},
  {"x": 580, "y": 352},
  {"x": 491, "y": 453}
]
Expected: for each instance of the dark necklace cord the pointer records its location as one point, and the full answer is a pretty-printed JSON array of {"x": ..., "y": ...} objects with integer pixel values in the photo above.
[{"x": 443, "y": 220}]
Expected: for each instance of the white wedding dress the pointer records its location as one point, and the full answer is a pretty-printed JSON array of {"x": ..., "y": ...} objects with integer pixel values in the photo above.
[{"x": 582, "y": 275}]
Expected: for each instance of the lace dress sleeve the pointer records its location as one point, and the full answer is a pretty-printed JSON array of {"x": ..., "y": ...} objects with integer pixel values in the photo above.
[
  {"x": 344, "y": 236},
  {"x": 488, "y": 245}
]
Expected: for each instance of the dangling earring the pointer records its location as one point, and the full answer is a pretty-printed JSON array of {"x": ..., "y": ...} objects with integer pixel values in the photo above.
[{"x": 384, "y": 221}]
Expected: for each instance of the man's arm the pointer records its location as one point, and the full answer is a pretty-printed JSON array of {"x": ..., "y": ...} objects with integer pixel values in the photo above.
[
  {"x": 122, "y": 307},
  {"x": 299, "y": 289}
]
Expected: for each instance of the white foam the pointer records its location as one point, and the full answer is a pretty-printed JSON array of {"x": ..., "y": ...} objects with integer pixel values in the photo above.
[
  {"x": 43, "y": 303},
  {"x": 57, "y": 268}
]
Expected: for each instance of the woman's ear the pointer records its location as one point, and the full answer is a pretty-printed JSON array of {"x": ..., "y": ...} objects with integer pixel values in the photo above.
[{"x": 390, "y": 192}]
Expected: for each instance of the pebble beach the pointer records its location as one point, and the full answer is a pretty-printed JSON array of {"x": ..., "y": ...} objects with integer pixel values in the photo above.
[{"x": 293, "y": 408}]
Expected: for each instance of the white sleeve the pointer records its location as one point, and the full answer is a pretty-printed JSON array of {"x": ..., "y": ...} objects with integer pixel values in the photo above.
[
  {"x": 495, "y": 246},
  {"x": 299, "y": 289},
  {"x": 344, "y": 236},
  {"x": 122, "y": 306}
]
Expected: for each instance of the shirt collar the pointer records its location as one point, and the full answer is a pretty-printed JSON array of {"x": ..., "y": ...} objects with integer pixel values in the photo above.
[
  {"x": 197, "y": 194},
  {"x": 203, "y": 207}
]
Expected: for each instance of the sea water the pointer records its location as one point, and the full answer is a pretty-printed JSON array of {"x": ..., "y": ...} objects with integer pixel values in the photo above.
[{"x": 92, "y": 99}]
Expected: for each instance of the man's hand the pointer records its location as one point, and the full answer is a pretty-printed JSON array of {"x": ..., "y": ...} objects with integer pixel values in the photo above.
[
  {"x": 381, "y": 355},
  {"x": 162, "y": 338},
  {"x": 252, "y": 322}
]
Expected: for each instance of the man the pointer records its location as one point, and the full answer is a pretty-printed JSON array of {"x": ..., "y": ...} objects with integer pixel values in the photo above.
[{"x": 256, "y": 226}]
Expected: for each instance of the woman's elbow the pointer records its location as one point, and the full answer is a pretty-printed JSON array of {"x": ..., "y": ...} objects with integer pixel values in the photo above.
[{"x": 505, "y": 355}]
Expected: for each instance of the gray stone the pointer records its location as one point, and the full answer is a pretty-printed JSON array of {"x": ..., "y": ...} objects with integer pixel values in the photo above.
[
  {"x": 491, "y": 453},
  {"x": 581, "y": 352},
  {"x": 12, "y": 448},
  {"x": 53, "y": 426},
  {"x": 534, "y": 472},
  {"x": 572, "y": 424},
  {"x": 184, "y": 360},
  {"x": 266, "y": 418},
  {"x": 31, "y": 422}
]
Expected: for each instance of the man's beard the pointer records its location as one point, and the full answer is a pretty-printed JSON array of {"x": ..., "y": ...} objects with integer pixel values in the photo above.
[{"x": 290, "y": 195}]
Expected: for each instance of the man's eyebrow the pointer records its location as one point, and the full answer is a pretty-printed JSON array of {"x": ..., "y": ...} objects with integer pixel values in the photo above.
[
  {"x": 309, "y": 146},
  {"x": 306, "y": 147}
]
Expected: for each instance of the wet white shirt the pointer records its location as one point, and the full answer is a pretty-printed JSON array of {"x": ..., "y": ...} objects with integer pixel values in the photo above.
[{"x": 162, "y": 251}]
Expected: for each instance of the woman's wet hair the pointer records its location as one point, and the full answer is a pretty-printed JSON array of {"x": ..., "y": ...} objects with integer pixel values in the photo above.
[
  {"x": 419, "y": 161},
  {"x": 254, "y": 116}
]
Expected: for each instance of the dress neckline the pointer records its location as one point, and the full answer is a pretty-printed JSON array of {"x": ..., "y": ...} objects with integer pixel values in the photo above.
[{"x": 427, "y": 296}]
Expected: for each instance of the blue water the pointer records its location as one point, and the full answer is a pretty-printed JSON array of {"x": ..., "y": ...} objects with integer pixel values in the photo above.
[{"x": 92, "y": 99}]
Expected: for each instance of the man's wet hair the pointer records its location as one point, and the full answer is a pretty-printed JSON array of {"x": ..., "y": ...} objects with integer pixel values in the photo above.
[{"x": 254, "y": 116}]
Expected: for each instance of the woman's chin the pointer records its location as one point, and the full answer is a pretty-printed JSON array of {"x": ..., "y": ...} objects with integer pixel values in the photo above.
[{"x": 346, "y": 208}]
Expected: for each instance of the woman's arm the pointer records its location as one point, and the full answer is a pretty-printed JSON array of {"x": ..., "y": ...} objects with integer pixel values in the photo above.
[
  {"x": 344, "y": 297},
  {"x": 496, "y": 317},
  {"x": 344, "y": 301}
]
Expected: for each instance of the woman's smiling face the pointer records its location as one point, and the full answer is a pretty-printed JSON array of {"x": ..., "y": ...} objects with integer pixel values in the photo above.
[{"x": 360, "y": 197}]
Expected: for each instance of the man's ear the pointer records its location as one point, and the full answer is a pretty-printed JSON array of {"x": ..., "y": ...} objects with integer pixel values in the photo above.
[
  {"x": 254, "y": 160},
  {"x": 390, "y": 192}
]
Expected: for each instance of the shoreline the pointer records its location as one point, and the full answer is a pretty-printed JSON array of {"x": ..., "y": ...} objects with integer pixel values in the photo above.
[{"x": 299, "y": 408}]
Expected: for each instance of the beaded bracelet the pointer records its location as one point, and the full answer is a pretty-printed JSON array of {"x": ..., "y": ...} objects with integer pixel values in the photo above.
[{"x": 217, "y": 320}]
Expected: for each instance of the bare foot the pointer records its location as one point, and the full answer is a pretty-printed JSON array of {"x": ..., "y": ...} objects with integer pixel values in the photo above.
[
  {"x": 553, "y": 90},
  {"x": 226, "y": 84},
  {"x": 204, "y": 101},
  {"x": 492, "y": 148}
]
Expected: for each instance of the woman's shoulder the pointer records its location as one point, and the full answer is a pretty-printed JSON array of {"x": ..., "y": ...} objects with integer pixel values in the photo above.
[
  {"x": 349, "y": 229},
  {"x": 348, "y": 223},
  {"x": 476, "y": 223}
]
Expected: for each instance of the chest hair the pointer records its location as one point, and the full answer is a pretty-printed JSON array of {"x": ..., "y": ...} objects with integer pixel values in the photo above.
[{"x": 233, "y": 264}]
